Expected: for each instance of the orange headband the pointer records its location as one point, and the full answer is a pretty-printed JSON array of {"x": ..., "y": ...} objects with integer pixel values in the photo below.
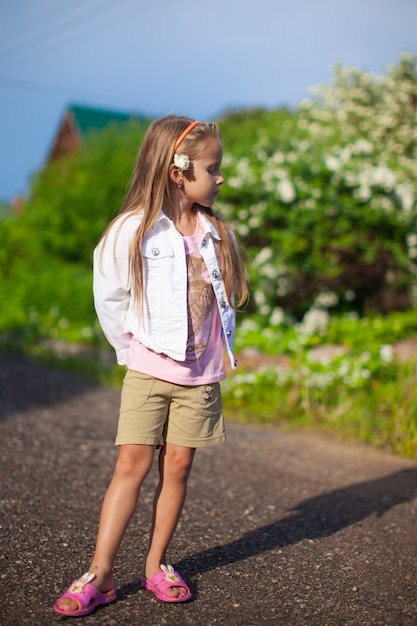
[{"x": 184, "y": 134}]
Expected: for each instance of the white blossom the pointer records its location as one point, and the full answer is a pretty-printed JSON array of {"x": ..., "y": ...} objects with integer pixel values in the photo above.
[
  {"x": 277, "y": 317},
  {"x": 263, "y": 255},
  {"x": 326, "y": 299},
  {"x": 315, "y": 321},
  {"x": 386, "y": 353},
  {"x": 286, "y": 191}
]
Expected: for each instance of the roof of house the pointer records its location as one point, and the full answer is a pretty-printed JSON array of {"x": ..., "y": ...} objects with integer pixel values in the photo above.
[
  {"x": 78, "y": 121},
  {"x": 87, "y": 118}
]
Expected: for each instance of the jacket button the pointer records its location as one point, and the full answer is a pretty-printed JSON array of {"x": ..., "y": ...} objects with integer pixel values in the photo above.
[
  {"x": 155, "y": 251},
  {"x": 215, "y": 274},
  {"x": 228, "y": 333},
  {"x": 223, "y": 304},
  {"x": 235, "y": 362},
  {"x": 204, "y": 242}
]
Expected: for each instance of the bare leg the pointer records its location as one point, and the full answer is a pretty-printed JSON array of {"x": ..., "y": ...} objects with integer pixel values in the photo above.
[
  {"x": 175, "y": 464},
  {"x": 119, "y": 504}
]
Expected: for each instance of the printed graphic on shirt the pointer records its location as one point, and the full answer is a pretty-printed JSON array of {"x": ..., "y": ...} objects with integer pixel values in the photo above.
[{"x": 200, "y": 308}]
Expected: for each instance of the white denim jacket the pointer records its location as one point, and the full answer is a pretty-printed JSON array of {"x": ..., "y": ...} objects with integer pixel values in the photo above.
[{"x": 162, "y": 324}]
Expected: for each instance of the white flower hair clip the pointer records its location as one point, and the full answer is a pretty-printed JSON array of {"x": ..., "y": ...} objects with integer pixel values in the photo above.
[{"x": 182, "y": 161}]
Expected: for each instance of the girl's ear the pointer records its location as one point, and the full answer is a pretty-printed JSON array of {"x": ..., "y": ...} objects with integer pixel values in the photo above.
[{"x": 175, "y": 174}]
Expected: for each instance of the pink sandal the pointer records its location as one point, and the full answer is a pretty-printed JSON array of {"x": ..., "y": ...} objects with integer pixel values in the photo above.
[
  {"x": 166, "y": 579},
  {"x": 87, "y": 596}
]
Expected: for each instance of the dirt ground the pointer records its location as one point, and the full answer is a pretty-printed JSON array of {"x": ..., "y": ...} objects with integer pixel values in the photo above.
[{"x": 288, "y": 528}]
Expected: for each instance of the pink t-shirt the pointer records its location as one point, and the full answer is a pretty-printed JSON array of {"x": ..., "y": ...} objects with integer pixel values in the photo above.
[{"x": 204, "y": 362}]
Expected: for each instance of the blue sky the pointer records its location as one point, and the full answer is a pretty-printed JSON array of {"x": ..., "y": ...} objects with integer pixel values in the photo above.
[{"x": 167, "y": 56}]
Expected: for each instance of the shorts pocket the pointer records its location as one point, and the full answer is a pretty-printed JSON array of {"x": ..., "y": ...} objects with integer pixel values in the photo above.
[{"x": 136, "y": 390}]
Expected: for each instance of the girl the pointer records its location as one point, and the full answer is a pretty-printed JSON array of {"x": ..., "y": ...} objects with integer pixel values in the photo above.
[{"x": 167, "y": 279}]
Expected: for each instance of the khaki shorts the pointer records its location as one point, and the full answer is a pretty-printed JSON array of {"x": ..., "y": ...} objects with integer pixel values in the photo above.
[{"x": 153, "y": 412}]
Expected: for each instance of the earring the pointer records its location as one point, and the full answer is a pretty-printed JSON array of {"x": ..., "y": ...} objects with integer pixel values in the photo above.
[{"x": 179, "y": 184}]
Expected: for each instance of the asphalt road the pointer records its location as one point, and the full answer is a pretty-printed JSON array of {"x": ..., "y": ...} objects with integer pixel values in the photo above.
[{"x": 288, "y": 528}]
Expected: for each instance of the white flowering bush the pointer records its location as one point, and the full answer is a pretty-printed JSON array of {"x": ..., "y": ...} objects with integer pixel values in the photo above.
[{"x": 326, "y": 198}]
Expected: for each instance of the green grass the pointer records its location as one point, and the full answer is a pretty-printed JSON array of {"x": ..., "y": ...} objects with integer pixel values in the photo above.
[{"x": 383, "y": 414}]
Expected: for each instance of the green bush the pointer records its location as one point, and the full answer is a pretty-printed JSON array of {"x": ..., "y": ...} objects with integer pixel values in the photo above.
[
  {"x": 46, "y": 253},
  {"x": 74, "y": 198}
]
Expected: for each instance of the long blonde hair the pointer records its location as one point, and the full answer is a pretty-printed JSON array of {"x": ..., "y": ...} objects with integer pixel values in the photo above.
[{"x": 150, "y": 189}]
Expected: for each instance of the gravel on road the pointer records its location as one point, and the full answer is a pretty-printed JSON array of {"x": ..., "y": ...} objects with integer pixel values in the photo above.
[{"x": 288, "y": 528}]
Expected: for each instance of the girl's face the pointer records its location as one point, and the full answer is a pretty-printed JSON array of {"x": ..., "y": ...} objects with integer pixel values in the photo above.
[{"x": 202, "y": 182}]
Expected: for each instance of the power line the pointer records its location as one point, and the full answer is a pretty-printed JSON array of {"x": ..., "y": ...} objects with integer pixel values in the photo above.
[
  {"x": 67, "y": 27},
  {"x": 54, "y": 30},
  {"x": 34, "y": 86}
]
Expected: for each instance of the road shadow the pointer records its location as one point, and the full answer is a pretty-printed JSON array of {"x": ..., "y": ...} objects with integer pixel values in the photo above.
[
  {"x": 25, "y": 385},
  {"x": 314, "y": 518}
]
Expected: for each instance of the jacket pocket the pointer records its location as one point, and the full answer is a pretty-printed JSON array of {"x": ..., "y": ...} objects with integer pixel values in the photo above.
[{"x": 156, "y": 249}]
